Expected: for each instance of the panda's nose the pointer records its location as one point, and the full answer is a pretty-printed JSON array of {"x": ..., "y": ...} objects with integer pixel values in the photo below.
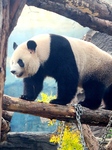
[{"x": 13, "y": 71}]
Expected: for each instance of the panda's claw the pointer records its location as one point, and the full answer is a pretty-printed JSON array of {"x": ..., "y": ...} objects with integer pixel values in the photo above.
[
  {"x": 58, "y": 101},
  {"x": 25, "y": 97}
]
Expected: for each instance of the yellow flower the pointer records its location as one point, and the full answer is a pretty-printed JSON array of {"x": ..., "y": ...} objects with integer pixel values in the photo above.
[
  {"x": 70, "y": 141},
  {"x": 46, "y": 98},
  {"x": 71, "y": 138}
]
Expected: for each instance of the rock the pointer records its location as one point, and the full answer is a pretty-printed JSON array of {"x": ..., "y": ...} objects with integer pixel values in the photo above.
[{"x": 27, "y": 141}]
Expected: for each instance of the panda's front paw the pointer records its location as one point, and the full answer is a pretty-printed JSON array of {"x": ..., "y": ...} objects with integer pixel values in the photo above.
[
  {"x": 53, "y": 101},
  {"x": 25, "y": 97},
  {"x": 58, "y": 101}
]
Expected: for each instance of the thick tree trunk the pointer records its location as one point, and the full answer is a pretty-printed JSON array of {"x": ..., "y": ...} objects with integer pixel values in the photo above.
[
  {"x": 67, "y": 113},
  {"x": 4, "y": 27},
  {"x": 67, "y": 8},
  {"x": 9, "y": 11}
]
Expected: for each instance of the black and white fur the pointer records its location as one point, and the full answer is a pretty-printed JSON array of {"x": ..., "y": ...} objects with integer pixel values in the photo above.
[{"x": 71, "y": 62}]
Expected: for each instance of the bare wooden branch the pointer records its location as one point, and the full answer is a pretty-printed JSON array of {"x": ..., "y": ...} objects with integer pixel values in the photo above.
[
  {"x": 91, "y": 141},
  {"x": 96, "y": 8},
  {"x": 67, "y": 113},
  {"x": 67, "y": 10},
  {"x": 4, "y": 26}
]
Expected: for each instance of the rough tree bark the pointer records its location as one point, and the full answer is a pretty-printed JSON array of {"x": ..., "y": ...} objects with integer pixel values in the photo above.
[
  {"x": 9, "y": 13},
  {"x": 67, "y": 8},
  {"x": 4, "y": 27},
  {"x": 91, "y": 141},
  {"x": 96, "y": 8},
  {"x": 67, "y": 113},
  {"x": 4, "y": 129}
]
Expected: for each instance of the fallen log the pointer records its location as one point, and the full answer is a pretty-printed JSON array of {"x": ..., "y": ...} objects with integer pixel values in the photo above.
[{"x": 97, "y": 117}]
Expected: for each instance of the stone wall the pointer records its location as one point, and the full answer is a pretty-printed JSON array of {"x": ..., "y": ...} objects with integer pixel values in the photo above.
[{"x": 27, "y": 141}]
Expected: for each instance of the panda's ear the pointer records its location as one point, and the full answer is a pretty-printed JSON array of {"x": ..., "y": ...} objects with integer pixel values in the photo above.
[
  {"x": 31, "y": 45},
  {"x": 15, "y": 45}
]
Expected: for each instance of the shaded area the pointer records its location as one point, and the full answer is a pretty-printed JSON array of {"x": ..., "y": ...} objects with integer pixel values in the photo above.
[{"x": 27, "y": 141}]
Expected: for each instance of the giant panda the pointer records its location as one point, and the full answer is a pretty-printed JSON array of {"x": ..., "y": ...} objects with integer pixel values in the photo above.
[{"x": 71, "y": 62}]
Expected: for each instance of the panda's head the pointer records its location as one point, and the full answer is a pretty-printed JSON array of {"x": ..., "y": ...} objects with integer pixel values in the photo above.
[{"x": 25, "y": 60}]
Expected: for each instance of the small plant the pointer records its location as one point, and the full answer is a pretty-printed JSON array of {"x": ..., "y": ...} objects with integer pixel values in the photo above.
[
  {"x": 109, "y": 135},
  {"x": 70, "y": 138},
  {"x": 46, "y": 98}
]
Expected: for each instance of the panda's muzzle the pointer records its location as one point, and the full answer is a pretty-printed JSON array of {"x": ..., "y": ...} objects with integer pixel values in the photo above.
[
  {"x": 20, "y": 74},
  {"x": 15, "y": 73}
]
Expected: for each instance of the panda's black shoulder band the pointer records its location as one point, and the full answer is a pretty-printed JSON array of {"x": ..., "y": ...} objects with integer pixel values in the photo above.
[{"x": 31, "y": 45}]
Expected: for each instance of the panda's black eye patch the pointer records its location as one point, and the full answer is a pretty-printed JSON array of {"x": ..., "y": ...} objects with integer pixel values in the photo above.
[{"x": 20, "y": 62}]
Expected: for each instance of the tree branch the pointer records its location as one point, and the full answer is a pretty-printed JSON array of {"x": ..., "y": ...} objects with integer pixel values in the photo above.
[
  {"x": 62, "y": 8},
  {"x": 96, "y": 8},
  {"x": 91, "y": 141},
  {"x": 109, "y": 145},
  {"x": 4, "y": 129},
  {"x": 66, "y": 113}
]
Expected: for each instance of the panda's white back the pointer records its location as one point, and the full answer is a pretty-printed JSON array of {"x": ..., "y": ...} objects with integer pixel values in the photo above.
[{"x": 90, "y": 58}]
